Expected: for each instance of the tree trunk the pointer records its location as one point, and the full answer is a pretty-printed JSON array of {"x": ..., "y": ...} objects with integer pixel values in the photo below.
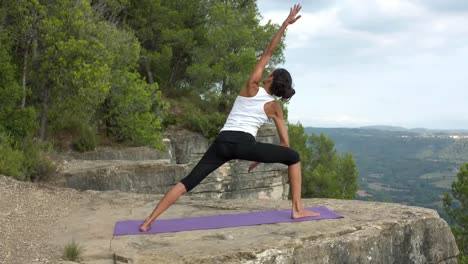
[
  {"x": 175, "y": 69},
  {"x": 149, "y": 74},
  {"x": 25, "y": 69},
  {"x": 45, "y": 107},
  {"x": 225, "y": 86}
]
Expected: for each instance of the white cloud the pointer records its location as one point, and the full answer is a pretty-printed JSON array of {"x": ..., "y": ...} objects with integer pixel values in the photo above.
[
  {"x": 390, "y": 61},
  {"x": 307, "y": 27},
  {"x": 378, "y": 16},
  {"x": 445, "y": 6},
  {"x": 330, "y": 121}
]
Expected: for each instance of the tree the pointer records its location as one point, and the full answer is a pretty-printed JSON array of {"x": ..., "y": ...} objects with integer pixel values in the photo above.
[
  {"x": 17, "y": 120},
  {"x": 456, "y": 206},
  {"x": 298, "y": 141},
  {"x": 230, "y": 47},
  {"x": 22, "y": 21},
  {"x": 135, "y": 112},
  {"x": 326, "y": 173},
  {"x": 74, "y": 73},
  {"x": 167, "y": 33},
  {"x": 10, "y": 90}
]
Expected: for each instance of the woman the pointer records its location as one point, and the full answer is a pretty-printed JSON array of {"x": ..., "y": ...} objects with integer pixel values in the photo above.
[{"x": 253, "y": 107}]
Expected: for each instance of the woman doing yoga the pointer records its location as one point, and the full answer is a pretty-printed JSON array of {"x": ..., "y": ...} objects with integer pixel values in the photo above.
[{"x": 236, "y": 140}]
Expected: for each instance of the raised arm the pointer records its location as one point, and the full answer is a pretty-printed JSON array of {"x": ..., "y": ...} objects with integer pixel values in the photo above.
[{"x": 252, "y": 84}]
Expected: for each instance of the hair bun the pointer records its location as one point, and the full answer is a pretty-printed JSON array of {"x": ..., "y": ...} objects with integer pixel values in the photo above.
[{"x": 282, "y": 84}]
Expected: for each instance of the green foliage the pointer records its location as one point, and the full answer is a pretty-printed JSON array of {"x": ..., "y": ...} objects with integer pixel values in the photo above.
[
  {"x": 166, "y": 32},
  {"x": 456, "y": 206},
  {"x": 204, "y": 116},
  {"x": 37, "y": 164},
  {"x": 207, "y": 46},
  {"x": 207, "y": 124},
  {"x": 26, "y": 159},
  {"x": 333, "y": 175},
  {"x": 17, "y": 126},
  {"x": 72, "y": 251},
  {"x": 77, "y": 63},
  {"x": 87, "y": 139},
  {"x": 230, "y": 47},
  {"x": 10, "y": 91},
  {"x": 136, "y": 110},
  {"x": 80, "y": 79},
  {"x": 348, "y": 182},
  {"x": 11, "y": 159},
  {"x": 21, "y": 122},
  {"x": 298, "y": 141},
  {"x": 70, "y": 64},
  {"x": 325, "y": 172}
]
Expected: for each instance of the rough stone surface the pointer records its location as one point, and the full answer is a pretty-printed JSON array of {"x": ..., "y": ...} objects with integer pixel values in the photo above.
[
  {"x": 37, "y": 221},
  {"x": 188, "y": 146},
  {"x": 29, "y": 213},
  {"x": 155, "y": 176},
  {"x": 135, "y": 153}
]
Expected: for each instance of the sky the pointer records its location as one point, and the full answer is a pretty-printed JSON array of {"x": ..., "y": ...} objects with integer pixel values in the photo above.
[{"x": 376, "y": 62}]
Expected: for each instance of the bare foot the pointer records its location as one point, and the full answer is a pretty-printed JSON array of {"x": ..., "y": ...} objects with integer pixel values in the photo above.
[
  {"x": 145, "y": 226},
  {"x": 304, "y": 213}
]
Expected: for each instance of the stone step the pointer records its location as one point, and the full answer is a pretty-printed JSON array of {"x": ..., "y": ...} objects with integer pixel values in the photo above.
[
  {"x": 267, "y": 181},
  {"x": 135, "y": 154},
  {"x": 145, "y": 170}
]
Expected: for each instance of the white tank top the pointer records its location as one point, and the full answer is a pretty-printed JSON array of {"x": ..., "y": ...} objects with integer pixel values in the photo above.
[{"x": 247, "y": 113}]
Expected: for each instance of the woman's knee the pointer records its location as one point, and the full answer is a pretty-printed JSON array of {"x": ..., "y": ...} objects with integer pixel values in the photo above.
[
  {"x": 293, "y": 157},
  {"x": 188, "y": 184}
]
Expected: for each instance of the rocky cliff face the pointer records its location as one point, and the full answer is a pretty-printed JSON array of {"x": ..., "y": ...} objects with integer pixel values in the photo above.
[
  {"x": 37, "y": 221},
  {"x": 144, "y": 170}
]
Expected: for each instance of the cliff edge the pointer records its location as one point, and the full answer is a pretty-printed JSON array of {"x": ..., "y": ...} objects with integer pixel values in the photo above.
[{"x": 37, "y": 221}]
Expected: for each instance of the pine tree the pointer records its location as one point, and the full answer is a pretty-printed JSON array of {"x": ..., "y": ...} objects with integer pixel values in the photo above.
[{"x": 456, "y": 206}]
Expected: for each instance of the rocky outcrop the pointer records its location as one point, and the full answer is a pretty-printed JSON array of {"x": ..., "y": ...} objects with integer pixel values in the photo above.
[
  {"x": 135, "y": 154},
  {"x": 144, "y": 170},
  {"x": 369, "y": 233},
  {"x": 36, "y": 222}
]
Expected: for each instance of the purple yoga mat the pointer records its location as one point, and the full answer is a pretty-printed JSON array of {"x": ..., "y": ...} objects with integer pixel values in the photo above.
[{"x": 130, "y": 227}]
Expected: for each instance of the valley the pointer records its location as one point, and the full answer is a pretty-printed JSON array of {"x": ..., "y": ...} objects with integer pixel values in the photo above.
[{"x": 412, "y": 167}]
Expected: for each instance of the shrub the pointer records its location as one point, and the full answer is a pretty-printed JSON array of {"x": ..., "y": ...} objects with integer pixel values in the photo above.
[
  {"x": 135, "y": 111},
  {"x": 37, "y": 164},
  {"x": 11, "y": 159},
  {"x": 21, "y": 123},
  {"x": 87, "y": 139},
  {"x": 199, "y": 116},
  {"x": 207, "y": 124}
]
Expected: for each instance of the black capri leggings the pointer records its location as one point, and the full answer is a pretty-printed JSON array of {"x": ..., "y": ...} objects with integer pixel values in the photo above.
[{"x": 230, "y": 145}]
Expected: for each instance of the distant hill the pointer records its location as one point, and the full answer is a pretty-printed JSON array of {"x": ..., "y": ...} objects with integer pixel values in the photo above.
[
  {"x": 417, "y": 130},
  {"x": 386, "y": 128},
  {"x": 395, "y": 164}
]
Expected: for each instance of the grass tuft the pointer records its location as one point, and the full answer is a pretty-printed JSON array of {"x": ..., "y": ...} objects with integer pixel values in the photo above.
[{"x": 72, "y": 251}]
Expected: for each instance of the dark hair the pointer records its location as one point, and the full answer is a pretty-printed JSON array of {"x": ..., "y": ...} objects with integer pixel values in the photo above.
[{"x": 282, "y": 84}]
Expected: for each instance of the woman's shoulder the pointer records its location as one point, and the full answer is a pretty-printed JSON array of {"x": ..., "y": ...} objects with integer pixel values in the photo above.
[{"x": 273, "y": 109}]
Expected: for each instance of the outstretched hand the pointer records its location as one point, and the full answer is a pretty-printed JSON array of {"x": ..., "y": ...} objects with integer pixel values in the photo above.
[{"x": 293, "y": 17}]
